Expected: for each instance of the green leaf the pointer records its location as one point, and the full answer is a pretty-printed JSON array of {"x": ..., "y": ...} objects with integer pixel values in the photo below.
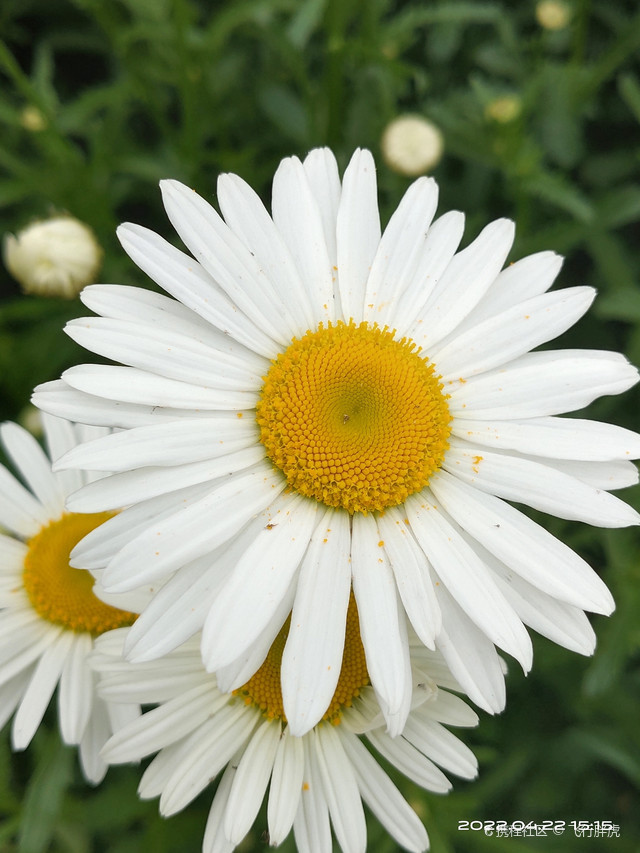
[
  {"x": 45, "y": 795},
  {"x": 629, "y": 89},
  {"x": 619, "y": 207},
  {"x": 612, "y": 750},
  {"x": 305, "y": 21},
  {"x": 623, "y": 304},
  {"x": 286, "y": 111},
  {"x": 555, "y": 189}
]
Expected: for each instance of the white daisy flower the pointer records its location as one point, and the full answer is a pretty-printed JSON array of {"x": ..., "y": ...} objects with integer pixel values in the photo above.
[
  {"x": 321, "y": 406},
  {"x": 315, "y": 781},
  {"x": 50, "y": 616}
]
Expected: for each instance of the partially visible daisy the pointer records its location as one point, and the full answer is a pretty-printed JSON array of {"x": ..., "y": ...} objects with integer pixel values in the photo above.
[
  {"x": 324, "y": 406},
  {"x": 50, "y": 616},
  {"x": 315, "y": 781}
]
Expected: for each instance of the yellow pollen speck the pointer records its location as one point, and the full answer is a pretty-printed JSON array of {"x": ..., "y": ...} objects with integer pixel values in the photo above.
[
  {"x": 59, "y": 593},
  {"x": 263, "y": 689},
  {"x": 381, "y": 543},
  {"x": 305, "y": 786},
  {"x": 238, "y": 414},
  {"x": 353, "y": 417}
]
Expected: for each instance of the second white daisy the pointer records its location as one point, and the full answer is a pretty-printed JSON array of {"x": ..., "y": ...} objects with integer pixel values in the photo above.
[
  {"x": 315, "y": 781},
  {"x": 49, "y": 616}
]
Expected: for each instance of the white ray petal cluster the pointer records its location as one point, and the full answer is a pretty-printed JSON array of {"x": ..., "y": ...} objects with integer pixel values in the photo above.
[
  {"x": 37, "y": 655},
  {"x": 209, "y": 518},
  {"x": 312, "y": 783}
]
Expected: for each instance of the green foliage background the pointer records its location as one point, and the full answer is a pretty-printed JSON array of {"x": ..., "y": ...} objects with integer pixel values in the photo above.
[{"x": 132, "y": 91}]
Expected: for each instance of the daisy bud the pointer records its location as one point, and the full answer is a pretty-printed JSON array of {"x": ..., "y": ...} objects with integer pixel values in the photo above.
[
  {"x": 504, "y": 109},
  {"x": 552, "y": 15},
  {"x": 412, "y": 145},
  {"x": 31, "y": 118},
  {"x": 56, "y": 257}
]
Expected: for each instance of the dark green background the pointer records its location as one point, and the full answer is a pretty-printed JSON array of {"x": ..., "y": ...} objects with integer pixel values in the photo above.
[{"x": 136, "y": 90}]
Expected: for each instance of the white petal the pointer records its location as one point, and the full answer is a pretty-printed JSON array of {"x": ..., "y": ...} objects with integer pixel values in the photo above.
[
  {"x": 176, "y": 612},
  {"x": 60, "y": 399},
  {"x": 34, "y": 466},
  {"x": 273, "y": 270},
  {"x": 410, "y": 761},
  {"x": 251, "y": 780},
  {"x": 559, "y": 438},
  {"x": 543, "y": 383},
  {"x": 124, "y": 302},
  {"x": 168, "y": 353},
  {"x": 321, "y": 170},
  {"x": 436, "y": 742},
  {"x": 449, "y": 709},
  {"x": 312, "y": 657},
  {"x": 164, "y": 725},
  {"x": 257, "y": 584},
  {"x": 467, "y": 578},
  {"x": 20, "y": 512},
  {"x": 384, "y": 799},
  {"x": 100, "y": 546},
  {"x": 191, "y": 531},
  {"x": 238, "y": 672},
  {"x": 464, "y": 283},
  {"x": 60, "y": 437},
  {"x": 470, "y": 655},
  {"x": 76, "y": 692},
  {"x": 286, "y": 787},
  {"x": 511, "y": 333},
  {"x": 442, "y": 240},
  {"x": 11, "y": 693},
  {"x": 130, "y": 385},
  {"x": 522, "y": 545},
  {"x": 358, "y": 232},
  {"x": 536, "y": 485},
  {"x": 12, "y": 554},
  {"x": 24, "y": 645},
  {"x": 523, "y": 279},
  {"x": 562, "y": 623},
  {"x": 399, "y": 251},
  {"x": 167, "y": 444},
  {"x": 214, "y": 840},
  {"x": 382, "y": 624},
  {"x": 96, "y": 733},
  {"x": 210, "y": 748},
  {"x": 184, "y": 279},
  {"x": 311, "y": 825},
  {"x": 411, "y": 571},
  {"x": 38, "y": 694},
  {"x": 341, "y": 791},
  {"x": 299, "y": 221},
  {"x": 142, "y": 484},
  {"x": 599, "y": 475}
]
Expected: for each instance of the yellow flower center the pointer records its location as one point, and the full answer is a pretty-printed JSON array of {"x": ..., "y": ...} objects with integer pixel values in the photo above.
[
  {"x": 59, "y": 593},
  {"x": 353, "y": 417},
  {"x": 263, "y": 689}
]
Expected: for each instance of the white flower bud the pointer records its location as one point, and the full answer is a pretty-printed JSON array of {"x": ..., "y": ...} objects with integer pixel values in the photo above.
[
  {"x": 56, "y": 257},
  {"x": 553, "y": 14},
  {"x": 412, "y": 145}
]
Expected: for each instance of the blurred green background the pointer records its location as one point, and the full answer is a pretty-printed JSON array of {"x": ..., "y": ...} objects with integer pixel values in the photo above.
[{"x": 99, "y": 99}]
